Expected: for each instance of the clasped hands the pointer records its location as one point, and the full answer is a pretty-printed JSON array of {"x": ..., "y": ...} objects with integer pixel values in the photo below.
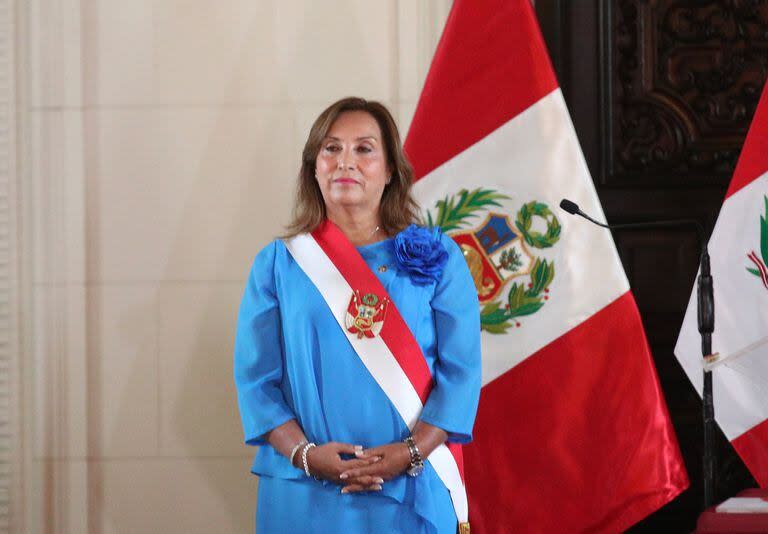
[{"x": 367, "y": 471}]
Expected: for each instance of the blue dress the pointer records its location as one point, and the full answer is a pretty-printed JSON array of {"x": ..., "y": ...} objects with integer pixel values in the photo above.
[{"x": 292, "y": 360}]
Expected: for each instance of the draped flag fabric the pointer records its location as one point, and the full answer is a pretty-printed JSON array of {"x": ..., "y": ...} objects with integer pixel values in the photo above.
[
  {"x": 738, "y": 249},
  {"x": 572, "y": 433}
]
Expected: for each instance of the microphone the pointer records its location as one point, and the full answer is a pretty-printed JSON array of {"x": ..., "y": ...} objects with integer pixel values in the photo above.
[
  {"x": 573, "y": 208},
  {"x": 705, "y": 305},
  {"x": 570, "y": 207}
]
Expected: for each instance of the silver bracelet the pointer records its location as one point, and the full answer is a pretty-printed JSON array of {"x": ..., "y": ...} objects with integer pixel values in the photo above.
[
  {"x": 296, "y": 449},
  {"x": 304, "y": 452}
]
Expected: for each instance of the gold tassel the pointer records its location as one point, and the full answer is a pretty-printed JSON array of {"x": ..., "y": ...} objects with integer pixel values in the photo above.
[{"x": 464, "y": 528}]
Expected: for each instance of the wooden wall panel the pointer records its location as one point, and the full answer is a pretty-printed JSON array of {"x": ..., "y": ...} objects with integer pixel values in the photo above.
[{"x": 682, "y": 80}]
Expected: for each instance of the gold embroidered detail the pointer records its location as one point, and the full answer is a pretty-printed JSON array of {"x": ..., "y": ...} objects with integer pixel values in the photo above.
[{"x": 365, "y": 315}]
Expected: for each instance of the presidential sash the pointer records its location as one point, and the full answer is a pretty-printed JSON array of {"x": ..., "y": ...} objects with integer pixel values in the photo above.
[{"x": 379, "y": 336}]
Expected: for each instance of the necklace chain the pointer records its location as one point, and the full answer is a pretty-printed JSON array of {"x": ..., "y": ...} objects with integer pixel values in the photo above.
[{"x": 374, "y": 231}]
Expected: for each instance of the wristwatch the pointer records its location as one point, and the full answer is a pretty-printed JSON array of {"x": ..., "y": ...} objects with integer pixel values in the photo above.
[{"x": 417, "y": 463}]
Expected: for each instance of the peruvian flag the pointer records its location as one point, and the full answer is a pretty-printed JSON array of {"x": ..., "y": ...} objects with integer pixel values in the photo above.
[
  {"x": 572, "y": 432},
  {"x": 739, "y": 254}
]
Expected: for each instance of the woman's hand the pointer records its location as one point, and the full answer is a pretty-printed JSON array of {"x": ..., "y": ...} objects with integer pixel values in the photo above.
[
  {"x": 325, "y": 462},
  {"x": 394, "y": 460}
]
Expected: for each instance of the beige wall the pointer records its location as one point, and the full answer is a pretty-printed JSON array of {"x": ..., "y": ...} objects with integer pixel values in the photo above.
[{"x": 159, "y": 140}]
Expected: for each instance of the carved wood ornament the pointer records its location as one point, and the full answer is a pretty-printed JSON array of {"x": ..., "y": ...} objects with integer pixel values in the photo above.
[{"x": 686, "y": 78}]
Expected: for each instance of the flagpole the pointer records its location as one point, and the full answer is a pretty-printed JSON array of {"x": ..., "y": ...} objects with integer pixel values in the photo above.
[
  {"x": 706, "y": 322},
  {"x": 705, "y": 304}
]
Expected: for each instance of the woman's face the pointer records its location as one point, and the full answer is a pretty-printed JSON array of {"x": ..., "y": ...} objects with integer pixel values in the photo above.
[{"x": 352, "y": 163}]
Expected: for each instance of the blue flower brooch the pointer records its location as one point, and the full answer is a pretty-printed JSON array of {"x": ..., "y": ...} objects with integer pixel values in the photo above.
[{"x": 420, "y": 252}]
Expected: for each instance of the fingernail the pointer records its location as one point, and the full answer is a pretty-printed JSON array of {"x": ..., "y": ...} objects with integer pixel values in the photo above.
[
  {"x": 376, "y": 458},
  {"x": 377, "y": 487},
  {"x": 344, "y": 490},
  {"x": 343, "y": 476},
  {"x": 378, "y": 480},
  {"x": 359, "y": 447},
  {"x": 359, "y": 453}
]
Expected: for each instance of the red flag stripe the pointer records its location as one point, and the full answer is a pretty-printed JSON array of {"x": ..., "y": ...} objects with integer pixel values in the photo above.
[
  {"x": 470, "y": 91},
  {"x": 589, "y": 398},
  {"x": 751, "y": 446},
  {"x": 753, "y": 161},
  {"x": 395, "y": 332}
]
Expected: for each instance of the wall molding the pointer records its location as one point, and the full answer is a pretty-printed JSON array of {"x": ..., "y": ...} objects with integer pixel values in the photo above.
[
  {"x": 51, "y": 171},
  {"x": 10, "y": 341}
]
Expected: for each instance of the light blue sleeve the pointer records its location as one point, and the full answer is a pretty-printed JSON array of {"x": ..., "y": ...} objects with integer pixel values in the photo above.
[
  {"x": 452, "y": 404},
  {"x": 258, "y": 366}
]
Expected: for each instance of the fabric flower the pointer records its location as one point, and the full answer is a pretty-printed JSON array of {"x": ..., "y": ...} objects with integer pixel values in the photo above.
[{"x": 420, "y": 252}]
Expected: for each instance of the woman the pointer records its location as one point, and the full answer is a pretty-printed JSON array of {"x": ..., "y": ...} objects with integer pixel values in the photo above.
[{"x": 358, "y": 353}]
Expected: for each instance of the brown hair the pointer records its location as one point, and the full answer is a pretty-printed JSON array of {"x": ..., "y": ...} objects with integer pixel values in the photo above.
[{"x": 398, "y": 208}]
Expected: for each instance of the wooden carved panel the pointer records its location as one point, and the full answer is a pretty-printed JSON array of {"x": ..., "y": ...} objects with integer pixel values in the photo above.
[{"x": 682, "y": 79}]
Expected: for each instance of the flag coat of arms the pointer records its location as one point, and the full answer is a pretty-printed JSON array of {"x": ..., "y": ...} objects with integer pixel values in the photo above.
[
  {"x": 738, "y": 249},
  {"x": 572, "y": 433}
]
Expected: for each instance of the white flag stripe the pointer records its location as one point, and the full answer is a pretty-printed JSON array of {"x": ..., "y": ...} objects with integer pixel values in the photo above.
[
  {"x": 550, "y": 168},
  {"x": 376, "y": 357},
  {"x": 741, "y": 317}
]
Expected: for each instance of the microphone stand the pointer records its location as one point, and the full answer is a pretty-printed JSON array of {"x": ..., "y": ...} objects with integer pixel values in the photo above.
[{"x": 705, "y": 302}]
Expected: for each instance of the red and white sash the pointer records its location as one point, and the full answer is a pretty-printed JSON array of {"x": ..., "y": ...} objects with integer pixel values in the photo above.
[{"x": 393, "y": 357}]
